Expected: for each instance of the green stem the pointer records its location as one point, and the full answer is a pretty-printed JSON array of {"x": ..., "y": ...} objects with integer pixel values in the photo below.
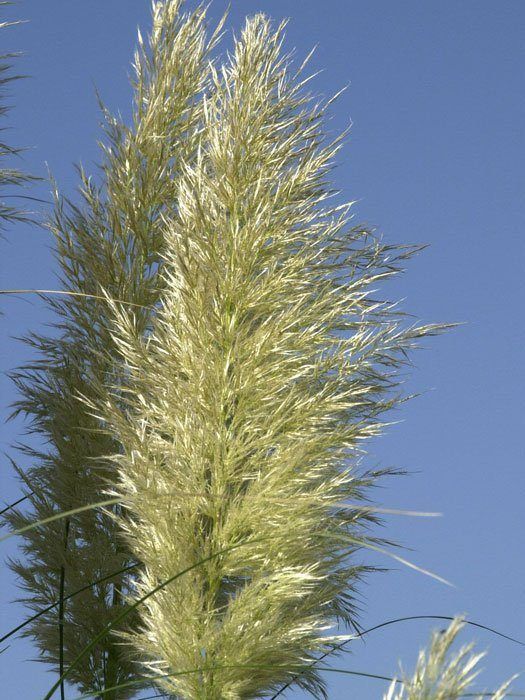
[
  {"x": 112, "y": 665},
  {"x": 61, "y": 616}
]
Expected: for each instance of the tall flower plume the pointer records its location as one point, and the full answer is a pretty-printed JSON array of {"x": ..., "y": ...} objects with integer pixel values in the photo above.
[
  {"x": 112, "y": 242},
  {"x": 245, "y": 406}
]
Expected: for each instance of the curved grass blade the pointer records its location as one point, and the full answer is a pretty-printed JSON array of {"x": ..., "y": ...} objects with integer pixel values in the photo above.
[
  {"x": 430, "y": 617},
  {"x": 65, "y": 292},
  {"x": 129, "y": 684},
  {"x": 353, "y": 637},
  {"x": 67, "y": 597},
  {"x": 396, "y": 511},
  {"x": 58, "y": 516},
  {"x": 14, "y": 504},
  {"x": 401, "y": 560},
  {"x": 410, "y": 565},
  {"x": 145, "y": 679},
  {"x": 132, "y": 607}
]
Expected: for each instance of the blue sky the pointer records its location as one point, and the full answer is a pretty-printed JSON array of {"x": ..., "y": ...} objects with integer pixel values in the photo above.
[{"x": 436, "y": 156}]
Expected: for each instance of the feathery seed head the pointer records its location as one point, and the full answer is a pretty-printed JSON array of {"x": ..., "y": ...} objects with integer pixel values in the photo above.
[
  {"x": 244, "y": 408},
  {"x": 438, "y": 674}
]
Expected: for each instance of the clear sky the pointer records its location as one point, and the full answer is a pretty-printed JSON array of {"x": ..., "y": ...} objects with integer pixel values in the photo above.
[{"x": 436, "y": 155}]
